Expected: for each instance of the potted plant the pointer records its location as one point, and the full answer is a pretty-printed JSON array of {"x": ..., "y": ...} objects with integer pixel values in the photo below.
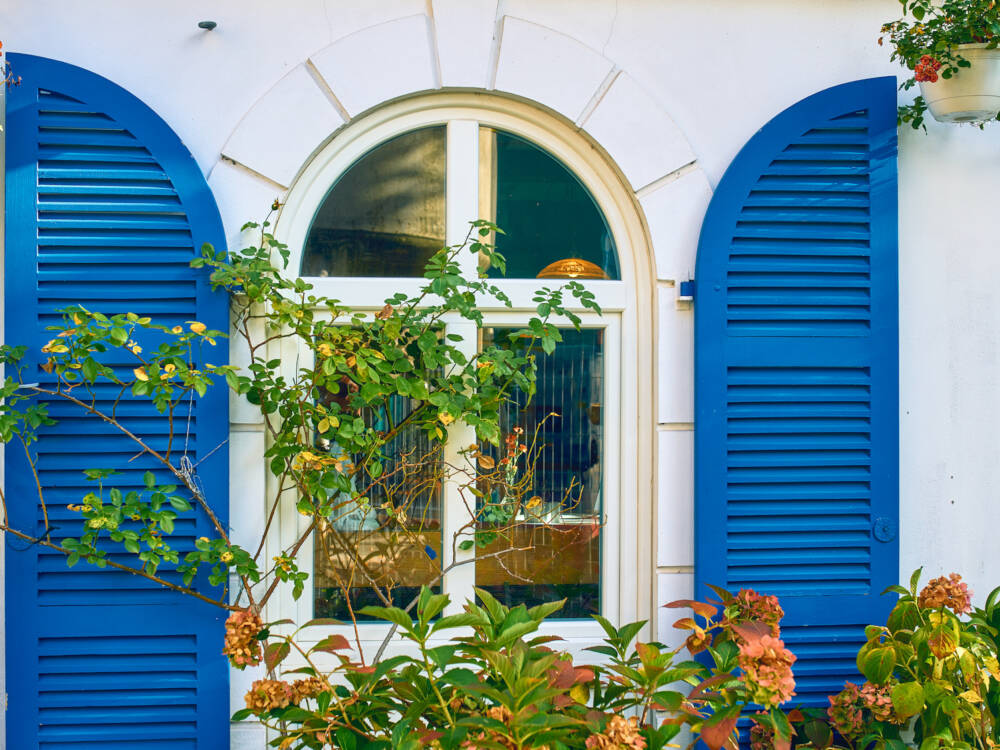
[{"x": 951, "y": 47}]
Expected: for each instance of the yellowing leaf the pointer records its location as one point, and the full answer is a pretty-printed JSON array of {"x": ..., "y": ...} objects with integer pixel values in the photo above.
[
  {"x": 580, "y": 693},
  {"x": 323, "y": 426},
  {"x": 485, "y": 461},
  {"x": 446, "y": 418},
  {"x": 972, "y": 696},
  {"x": 140, "y": 373},
  {"x": 198, "y": 327},
  {"x": 993, "y": 666},
  {"x": 533, "y": 502},
  {"x": 77, "y": 319}
]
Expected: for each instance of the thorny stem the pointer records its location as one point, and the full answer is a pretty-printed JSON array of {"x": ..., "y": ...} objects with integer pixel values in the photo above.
[
  {"x": 38, "y": 483},
  {"x": 118, "y": 566}
]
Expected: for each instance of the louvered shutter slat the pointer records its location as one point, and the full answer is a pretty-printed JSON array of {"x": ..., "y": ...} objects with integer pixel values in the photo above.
[
  {"x": 106, "y": 208},
  {"x": 796, "y": 384}
]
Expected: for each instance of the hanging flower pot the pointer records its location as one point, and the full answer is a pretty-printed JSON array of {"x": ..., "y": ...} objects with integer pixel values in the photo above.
[
  {"x": 970, "y": 95},
  {"x": 951, "y": 46}
]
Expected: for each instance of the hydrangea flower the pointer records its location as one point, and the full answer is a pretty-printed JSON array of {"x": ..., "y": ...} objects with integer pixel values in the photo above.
[
  {"x": 619, "y": 734},
  {"x": 750, "y": 606},
  {"x": 241, "y": 644},
  {"x": 947, "y": 592},
  {"x": 767, "y": 670},
  {"x": 266, "y": 695}
]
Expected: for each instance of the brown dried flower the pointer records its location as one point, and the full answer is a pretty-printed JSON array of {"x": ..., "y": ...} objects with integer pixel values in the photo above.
[
  {"x": 265, "y": 695},
  {"x": 241, "y": 645},
  {"x": 947, "y": 592},
  {"x": 491, "y": 738},
  {"x": 310, "y": 687},
  {"x": 619, "y": 734}
]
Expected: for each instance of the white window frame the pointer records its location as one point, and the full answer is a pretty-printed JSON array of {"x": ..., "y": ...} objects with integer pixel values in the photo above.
[{"x": 627, "y": 543}]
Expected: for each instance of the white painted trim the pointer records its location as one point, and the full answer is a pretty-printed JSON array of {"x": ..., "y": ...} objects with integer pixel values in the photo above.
[
  {"x": 3, "y": 485},
  {"x": 369, "y": 292}
]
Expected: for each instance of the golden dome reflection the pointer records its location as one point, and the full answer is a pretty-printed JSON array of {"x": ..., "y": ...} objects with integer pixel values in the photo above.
[{"x": 572, "y": 268}]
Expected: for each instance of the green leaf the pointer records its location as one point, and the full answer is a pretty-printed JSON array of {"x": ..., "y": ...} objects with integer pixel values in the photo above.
[
  {"x": 877, "y": 664},
  {"x": 908, "y": 699},
  {"x": 346, "y": 739},
  {"x": 464, "y": 619},
  {"x": 392, "y": 614},
  {"x": 179, "y": 503},
  {"x": 90, "y": 369}
]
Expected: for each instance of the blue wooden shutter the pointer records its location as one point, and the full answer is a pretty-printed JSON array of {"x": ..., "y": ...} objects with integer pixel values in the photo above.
[
  {"x": 105, "y": 207},
  {"x": 796, "y": 415}
]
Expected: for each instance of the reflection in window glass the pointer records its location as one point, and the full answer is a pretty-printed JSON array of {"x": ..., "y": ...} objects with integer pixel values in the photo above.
[
  {"x": 385, "y": 215},
  {"x": 563, "y": 531},
  {"x": 391, "y": 543},
  {"x": 546, "y": 214}
]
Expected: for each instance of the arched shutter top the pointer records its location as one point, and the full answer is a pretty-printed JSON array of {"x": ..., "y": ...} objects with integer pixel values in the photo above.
[
  {"x": 807, "y": 203},
  {"x": 116, "y": 130}
]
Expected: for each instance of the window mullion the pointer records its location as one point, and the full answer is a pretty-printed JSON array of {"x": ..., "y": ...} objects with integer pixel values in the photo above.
[
  {"x": 461, "y": 207},
  {"x": 459, "y": 582},
  {"x": 462, "y": 187}
]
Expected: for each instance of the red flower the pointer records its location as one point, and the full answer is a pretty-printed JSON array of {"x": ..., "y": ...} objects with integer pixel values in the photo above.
[{"x": 927, "y": 68}]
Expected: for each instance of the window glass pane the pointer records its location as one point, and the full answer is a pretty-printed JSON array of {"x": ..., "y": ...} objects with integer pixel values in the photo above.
[
  {"x": 546, "y": 214},
  {"x": 391, "y": 544},
  {"x": 385, "y": 215},
  {"x": 563, "y": 531}
]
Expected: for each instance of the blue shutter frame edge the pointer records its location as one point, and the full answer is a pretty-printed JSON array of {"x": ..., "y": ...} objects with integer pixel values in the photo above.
[
  {"x": 205, "y": 222},
  {"x": 879, "y": 96}
]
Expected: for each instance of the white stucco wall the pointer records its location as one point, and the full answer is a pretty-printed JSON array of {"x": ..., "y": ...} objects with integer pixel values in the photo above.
[{"x": 698, "y": 78}]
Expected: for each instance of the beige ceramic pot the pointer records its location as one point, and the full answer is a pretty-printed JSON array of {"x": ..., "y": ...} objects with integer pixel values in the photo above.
[{"x": 971, "y": 95}]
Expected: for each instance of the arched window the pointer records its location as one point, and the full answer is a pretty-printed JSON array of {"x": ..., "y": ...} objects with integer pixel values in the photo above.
[{"x": 361, "y": 221}]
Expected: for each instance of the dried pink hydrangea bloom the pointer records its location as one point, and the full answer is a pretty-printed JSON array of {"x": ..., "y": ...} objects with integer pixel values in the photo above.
[
  {"x": 619, "y": 734},
  {"x": 309, "y": 687},
  {"x": 241, "y": 644},
  {"x": 845, "y": 711},
  {"x": 265, "y": 695},
  {"x": 948, "y": 592},
  {"x": 767, "y": 670},
  {"x": 878, "y": 700}
]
